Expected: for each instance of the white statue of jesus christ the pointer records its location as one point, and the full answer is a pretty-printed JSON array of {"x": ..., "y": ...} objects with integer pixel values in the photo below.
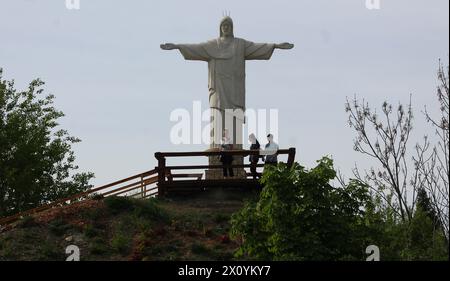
[{"x": 226, "y": 58}]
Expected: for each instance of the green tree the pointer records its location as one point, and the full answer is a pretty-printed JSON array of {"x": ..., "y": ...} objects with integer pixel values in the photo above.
[
  {"x": 301, "y": 216},
  {"x": 384, "y": 135},
  {"x": 425, "y": 240},
  {"x": 417, "y": 239},
  {"x": 425, "y": 206},
  {"x": 36, "y": 158}
]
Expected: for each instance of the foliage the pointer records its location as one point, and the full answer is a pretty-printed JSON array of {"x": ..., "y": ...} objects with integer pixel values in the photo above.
[
  {"x": 385, "y": 138},
  {"x": 27, "y": 221},
  {"x": 301, "y": 216},
  {"x": 118, "y": 204},
  {"x": 432, "y": 157},
  {"x": 199, "y": 249},
  {"x": 121, "y": 243},
  {"x": 36, "y": 158},
  {"x": 418, "y": 239},
  {"x": 147, "y": 209},
  {"x": 58, "y": 226}
]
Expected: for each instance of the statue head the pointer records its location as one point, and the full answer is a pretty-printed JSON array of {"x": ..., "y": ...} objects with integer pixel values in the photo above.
[{"x": 226, "y": 27}]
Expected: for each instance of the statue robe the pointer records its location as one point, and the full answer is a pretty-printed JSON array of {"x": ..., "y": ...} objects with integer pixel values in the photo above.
[{"x": 226, "y": 68}]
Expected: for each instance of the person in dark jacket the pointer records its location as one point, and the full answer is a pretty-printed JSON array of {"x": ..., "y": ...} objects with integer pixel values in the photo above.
[
  {"x": 227, "y": 159},
  {"x": 254, "y": 158}
]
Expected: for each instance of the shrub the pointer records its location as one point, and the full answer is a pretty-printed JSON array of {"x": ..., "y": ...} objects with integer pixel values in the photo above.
[
  {"x": 150, "y": 210},
  {"x": 300, "y": 216},
  {"x": 50, "y": 251},
  {"x": 98, "y": 246},
  {"x": 118, "y": 204},
  {"x": 199, "y": 249},
  {"x": 221, "y": 218},
  {"x": 27, "y": 221},
  {"x": 90, "y": 231},
  {"x": 120, "y": 243},
  {"x": 37, "y": 162},
  {"x": 58, "y": 226}
]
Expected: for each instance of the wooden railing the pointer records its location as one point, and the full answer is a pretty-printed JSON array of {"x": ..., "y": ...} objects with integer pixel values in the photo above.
[
  {"x": 165, "y": 172},
  {"x": 142, "y": 185},
  {"x": 149, "y": 183}
]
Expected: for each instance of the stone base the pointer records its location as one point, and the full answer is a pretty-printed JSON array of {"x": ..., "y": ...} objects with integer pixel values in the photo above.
[
  {"x": 217, "y": 174},
  {"x": 214, "y": 174}
]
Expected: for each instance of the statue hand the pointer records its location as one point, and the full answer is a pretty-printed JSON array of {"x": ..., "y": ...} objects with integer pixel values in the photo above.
[
  {"x": 285, "y": 46},
  {"x": 168, "y": 46}
]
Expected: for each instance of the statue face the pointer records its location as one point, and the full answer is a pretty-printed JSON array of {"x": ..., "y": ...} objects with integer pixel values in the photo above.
[{"x": 227, "y": 29}]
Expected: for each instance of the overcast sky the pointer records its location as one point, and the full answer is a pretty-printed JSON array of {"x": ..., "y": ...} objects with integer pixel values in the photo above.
[{"x": 117, "y": 87}]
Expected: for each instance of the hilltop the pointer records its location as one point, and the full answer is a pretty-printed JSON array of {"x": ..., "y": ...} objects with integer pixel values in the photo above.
[{"x": 121, "y": 228}]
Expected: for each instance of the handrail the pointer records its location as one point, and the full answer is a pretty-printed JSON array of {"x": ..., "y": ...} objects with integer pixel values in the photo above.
[
  {"x": 212, "y": 153},
  {"x": 142, "y": 184},
  {"x": 210, "y": 166},
  {"x": 145, "y": 179},
  {"x": 163, "y": 169}
]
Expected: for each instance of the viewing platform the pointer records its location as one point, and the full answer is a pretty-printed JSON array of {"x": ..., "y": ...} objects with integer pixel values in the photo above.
[
  {"x": 170, "y": 182},
  {"x": 165, "y": 180}
]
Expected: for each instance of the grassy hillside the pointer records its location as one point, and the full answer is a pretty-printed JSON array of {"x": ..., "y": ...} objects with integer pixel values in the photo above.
[{"x": 118, "y": 228}]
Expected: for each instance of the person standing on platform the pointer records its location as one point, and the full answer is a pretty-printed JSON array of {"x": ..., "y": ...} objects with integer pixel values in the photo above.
[
  {"x": 254, "y": 158},
  {"x": 271, "y": 151},
  {"x": 227, "y": 159}
]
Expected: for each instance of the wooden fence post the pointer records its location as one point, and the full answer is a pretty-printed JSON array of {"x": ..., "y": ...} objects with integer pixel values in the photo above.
[
  {"x": 161, "y": 172},
  {"x": 142, "y": 187},
  {"x": 291, "y": 156}
]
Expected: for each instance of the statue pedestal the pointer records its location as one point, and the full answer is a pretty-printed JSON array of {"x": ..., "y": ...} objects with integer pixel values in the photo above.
[
  {"x": 231, "y": 122},
  {"x": 215, "y": 174}
]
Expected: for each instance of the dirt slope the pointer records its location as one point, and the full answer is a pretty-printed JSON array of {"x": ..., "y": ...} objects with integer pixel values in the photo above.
[{"x": 117, "y": 228}]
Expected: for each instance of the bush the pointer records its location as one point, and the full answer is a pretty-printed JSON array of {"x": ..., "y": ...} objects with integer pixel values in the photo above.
[
  {"x": 221, "y": 218},
  {"x": 50, "y": 251},
  {"x": 27, "y": 221},
  {"x": 58, "y": 227},
  {"x": 417, "y": 240},
  {"x": 118, "y": 204},
  {"x": 300, "y": 216},
  {"x": 199, "y": 249},
  {"x": 96, "y": 196},
  {"x": 37, "y": 162},
  {"x": 120, "y": 243},
  {"x": 98, "y": 246},
  {"x": 90, "y": 231},
  {"x": 425, "y": 241},
  {"x": 94, "y": 214},
  {"x": 149, "y": 209}
]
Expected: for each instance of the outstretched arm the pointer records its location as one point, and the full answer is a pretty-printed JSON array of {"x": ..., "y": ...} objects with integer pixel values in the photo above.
[
  {"x": 189, "y": 51},
  {"x": 169, "y": 46},
  {"x": 263, "y": 51},
  {"x": 284, "y": 46}
]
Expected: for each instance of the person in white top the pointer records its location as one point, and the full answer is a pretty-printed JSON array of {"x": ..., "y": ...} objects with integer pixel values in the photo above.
[{"x": 271, "y": 151}]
